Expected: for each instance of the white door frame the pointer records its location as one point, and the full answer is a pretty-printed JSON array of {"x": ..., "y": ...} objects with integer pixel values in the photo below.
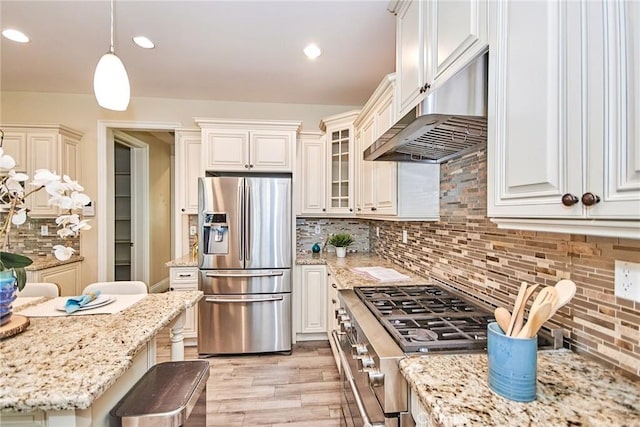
[{"x": 105, "y": 210}]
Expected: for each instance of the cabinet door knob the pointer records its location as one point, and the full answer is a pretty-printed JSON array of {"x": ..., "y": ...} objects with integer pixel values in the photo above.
[
  {"x": 333, "y": 285},
  {"x": 324, "y": 209},
  {"x": 374, "y": 209},
  {"x": 590, "y": 199},
  {"x": 569, "y": 199},
  {"x": 250, "y": 166},
  {"x": 183, "y": 209},
  {"x": 350, "y": 209},
  {"x": 246, "y": 166}
]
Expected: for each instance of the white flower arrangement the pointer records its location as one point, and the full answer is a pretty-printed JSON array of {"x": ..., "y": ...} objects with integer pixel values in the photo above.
[{"x": 63, "y": 193}]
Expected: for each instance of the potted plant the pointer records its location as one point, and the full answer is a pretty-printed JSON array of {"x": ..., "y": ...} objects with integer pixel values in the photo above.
[{"x": 340, "y": 241}]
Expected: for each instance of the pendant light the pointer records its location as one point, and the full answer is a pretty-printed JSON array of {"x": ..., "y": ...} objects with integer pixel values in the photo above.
[{"x": 110, "y": 80}]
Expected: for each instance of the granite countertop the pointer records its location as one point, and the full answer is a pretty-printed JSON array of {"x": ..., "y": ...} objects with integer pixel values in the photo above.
[
  {"x": 340, "y": 268},
  {"x": 64, "y": 363},
  {"x": 572, "y": 390},
  {"x": 48, "y": 261},
  {"x": 184, "y": 261}
]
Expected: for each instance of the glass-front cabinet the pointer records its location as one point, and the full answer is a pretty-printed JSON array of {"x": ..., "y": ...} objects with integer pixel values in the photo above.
[
  {"x": 340, "y": 151},
  {"x": 340, "y": 148}
]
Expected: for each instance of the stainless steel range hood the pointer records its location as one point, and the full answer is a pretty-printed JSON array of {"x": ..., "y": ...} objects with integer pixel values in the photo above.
[{"x": 448, "y": 123}]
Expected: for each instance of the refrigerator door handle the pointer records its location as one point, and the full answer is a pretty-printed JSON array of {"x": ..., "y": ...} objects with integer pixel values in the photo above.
[
  {"x": 243, "y": 300},
  {"x": 240, "y": 232},
  {"x": 247, "y": 230},
  {"x": 264, "y": 274}
]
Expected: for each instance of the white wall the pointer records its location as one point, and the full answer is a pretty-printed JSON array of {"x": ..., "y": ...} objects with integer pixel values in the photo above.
[{"x": 81, "y": 112}]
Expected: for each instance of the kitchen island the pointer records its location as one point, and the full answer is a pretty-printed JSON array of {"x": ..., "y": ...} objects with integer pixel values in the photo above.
[{"x": 70, "y": 371}]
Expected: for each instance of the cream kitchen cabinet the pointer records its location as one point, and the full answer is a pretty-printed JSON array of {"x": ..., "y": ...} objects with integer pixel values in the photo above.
[
  {"x": 310, "y": 303},
  {"x": 186, "y": 279},
  {"x": 339, "y": 162},
  {"x": 564, "y": 135},
  {"x": 188, "y": 153},
  {"x": 311, "y": 173},
  {"x": 67, "y": 276},
  {"x": 248, "y": 146},
  {"x": 391, "y": 190},
  {"x": 34, "y": 147},
  {"x": 435, "y": 40}
]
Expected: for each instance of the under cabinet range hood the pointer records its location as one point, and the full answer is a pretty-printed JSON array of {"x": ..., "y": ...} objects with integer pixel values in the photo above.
[{"x": 448, "y": 123}]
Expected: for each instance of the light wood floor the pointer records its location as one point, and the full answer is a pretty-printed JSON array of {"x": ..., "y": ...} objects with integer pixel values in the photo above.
[{"x": 302, "y": 389}]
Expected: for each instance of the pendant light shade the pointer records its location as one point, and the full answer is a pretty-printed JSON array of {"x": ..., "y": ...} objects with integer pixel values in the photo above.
[
  {"x": 111, "y": 83},
  {"x": 110, "y": 80}
]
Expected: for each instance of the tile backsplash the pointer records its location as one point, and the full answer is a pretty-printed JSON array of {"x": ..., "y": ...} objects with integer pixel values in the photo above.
[
  {"x": 26, "y": 239},
  {"x": 466, "y": 249},
  {"x": 317, "y": 230}
]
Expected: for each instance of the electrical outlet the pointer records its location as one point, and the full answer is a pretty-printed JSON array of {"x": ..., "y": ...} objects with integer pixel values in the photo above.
[
  {"x": 627, "y": 280},
  {"x": 404, "y": 236},
  {"x": 44, "y": 230},
  {"x": 193, "y": 230},
  {"x": 377, "y": 231},
  {"x": 318, "y": 229}
]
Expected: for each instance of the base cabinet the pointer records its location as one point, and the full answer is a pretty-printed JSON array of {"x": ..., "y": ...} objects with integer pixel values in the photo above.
[
  {"x": 332, "y": 322},
  {"x": 186, "y": 279},
  {"x": 66, "y": 276},
  {"x": 313, "y": 295}
]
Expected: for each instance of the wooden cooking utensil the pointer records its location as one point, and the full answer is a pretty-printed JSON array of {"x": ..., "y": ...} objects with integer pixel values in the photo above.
[
  {"x": 516, "y": 306},
  {"x": 565, "y": 290},
  {"x": 520, "y": 314},
  {"x": 537, "y": 316},
  {"x": 503, "y": 317}
]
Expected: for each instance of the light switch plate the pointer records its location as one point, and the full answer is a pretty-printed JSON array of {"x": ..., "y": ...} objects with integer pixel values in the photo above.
[
  {"x": 44, "y": 230},
  {"x": 627, "y": 280},
  {"x": 192, "y": 230},
  {"x": 404, "y": 236}
]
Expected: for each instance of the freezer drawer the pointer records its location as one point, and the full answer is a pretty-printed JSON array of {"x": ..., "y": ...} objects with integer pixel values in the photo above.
[
  {"x": 245, "y": 281},
  {"x": 232, "y": 324}
]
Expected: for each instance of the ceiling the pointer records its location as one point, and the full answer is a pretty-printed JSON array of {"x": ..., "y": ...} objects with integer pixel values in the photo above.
[{"x": 217, "y": 50}]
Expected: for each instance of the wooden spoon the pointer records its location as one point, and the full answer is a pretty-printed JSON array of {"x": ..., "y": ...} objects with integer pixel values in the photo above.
[
  {"x": 565, "y": 290},
  {"x": 516, "y": 307},
  {"x": 503, "y": 317},
  {"x": 520, "y": 314},
  {"x": 537, "y": 316}
]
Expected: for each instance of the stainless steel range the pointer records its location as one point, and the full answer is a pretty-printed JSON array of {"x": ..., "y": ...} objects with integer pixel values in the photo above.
[{"x": 379, "y": 325}]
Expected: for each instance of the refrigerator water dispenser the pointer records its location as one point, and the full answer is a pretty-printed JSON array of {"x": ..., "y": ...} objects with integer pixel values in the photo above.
[{"x": 216, "y": 234}]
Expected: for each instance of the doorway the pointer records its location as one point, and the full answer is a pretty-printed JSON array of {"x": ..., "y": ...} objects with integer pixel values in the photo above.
[
  {"x": 123, "y": 241},
  {"x": 139, "y": 200}
]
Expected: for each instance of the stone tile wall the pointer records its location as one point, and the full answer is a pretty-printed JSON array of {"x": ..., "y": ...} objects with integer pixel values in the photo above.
[
  {"x": 26, "y": 239},
  {"x": 306, "y": 234},
  {"x": 467, "y": 250}
]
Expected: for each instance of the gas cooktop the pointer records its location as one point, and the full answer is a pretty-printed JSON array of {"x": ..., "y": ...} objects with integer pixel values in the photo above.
[{"x": 428, "y": 318}]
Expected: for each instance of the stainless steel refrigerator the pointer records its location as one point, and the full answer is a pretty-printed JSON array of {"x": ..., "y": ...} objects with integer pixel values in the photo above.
[{"x": 244, "y": 226}]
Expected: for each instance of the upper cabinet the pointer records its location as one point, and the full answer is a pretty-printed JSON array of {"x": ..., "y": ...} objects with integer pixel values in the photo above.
[
  {"x": 391, "y": 190},
  {"x": 188, "y": 153},
  {"x": 34, "y": 147},
  {"x": 435, "y": 40},
  {"x": 339, "y": 136},
  {"x": 311, "y": 173},
  {"x": 564, "y": 134},
  {"x": 247, "y": 146}
]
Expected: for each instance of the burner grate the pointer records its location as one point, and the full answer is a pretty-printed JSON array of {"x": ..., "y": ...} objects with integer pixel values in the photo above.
[{"x": 427, "y": 317}]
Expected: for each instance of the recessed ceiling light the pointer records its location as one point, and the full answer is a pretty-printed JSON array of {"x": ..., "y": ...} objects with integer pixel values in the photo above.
[
  {"x": 143, "y": 42},
  {"x": 15, "y": 35},
  {"x": 312, "y": 51}
]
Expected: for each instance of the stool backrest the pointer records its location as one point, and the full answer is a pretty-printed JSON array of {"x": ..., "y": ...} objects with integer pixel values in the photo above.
[
  {"x": 118, "y": 288},
  {"x": 39, "y": 289}
]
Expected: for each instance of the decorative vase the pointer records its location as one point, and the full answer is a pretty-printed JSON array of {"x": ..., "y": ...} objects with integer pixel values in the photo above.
[
  {"x": 341, "y": 252},
  {"x": 8, "y": 293},
  {"x": 315, "y": 248}
]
